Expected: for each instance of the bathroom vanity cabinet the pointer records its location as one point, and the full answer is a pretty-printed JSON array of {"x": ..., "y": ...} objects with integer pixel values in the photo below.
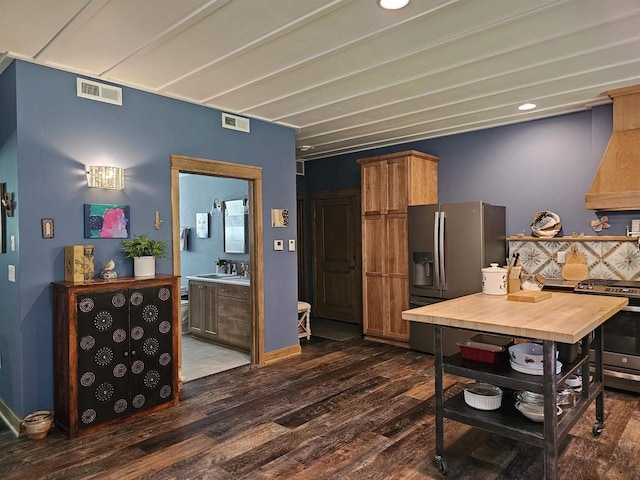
[
  {"x": 115, "y": 350},
  {"x": 221, "y": 312}
]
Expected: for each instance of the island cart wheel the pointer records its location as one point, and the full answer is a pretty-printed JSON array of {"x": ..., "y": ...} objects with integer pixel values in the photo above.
[
  {"x": 441, "y": 464},
  {"x": 597, "y": 429}
]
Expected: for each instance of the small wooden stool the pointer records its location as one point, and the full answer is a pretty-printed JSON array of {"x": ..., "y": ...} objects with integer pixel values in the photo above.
[{"x": 304, "y": 320}]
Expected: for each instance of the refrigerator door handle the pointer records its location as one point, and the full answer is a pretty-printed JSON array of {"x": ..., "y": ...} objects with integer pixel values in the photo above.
[
  {"x": 436, "y": 249},
  {"x": 443, "y": 278}
]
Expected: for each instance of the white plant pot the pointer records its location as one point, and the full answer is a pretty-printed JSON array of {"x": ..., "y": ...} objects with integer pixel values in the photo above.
[{"x": 144, "y": 266}]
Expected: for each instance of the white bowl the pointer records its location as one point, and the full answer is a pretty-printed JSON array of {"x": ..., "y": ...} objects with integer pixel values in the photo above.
[
  {"x": 534, "y": 412},
  {"x": 527, "y": 354},
  {"x": 483, "y": 396},
  {"x": 530, "y": 370}
]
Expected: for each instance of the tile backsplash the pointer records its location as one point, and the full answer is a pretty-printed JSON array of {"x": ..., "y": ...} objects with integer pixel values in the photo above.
[{"x": 611, "y": 259}]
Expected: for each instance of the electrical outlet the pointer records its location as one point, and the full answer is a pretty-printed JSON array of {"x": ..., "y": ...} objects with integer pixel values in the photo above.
[
  {"x": 12, "y": 273},
  {"x": 278, "y": 244},
  {"x": 292, "y": 245},
  {"x": 560, "y": 257}
]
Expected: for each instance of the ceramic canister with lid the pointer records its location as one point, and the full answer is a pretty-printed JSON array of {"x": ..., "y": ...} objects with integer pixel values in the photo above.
[{"x": 494, "y": 280}]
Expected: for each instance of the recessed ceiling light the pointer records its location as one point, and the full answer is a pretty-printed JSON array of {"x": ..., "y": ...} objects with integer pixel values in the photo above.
[
  {"x": 527, "y": 106},
  {"x": 393, "y": 4},
  {"x": 305, "y": 148}
]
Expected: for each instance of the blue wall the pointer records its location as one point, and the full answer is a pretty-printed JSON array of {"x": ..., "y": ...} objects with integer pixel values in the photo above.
[
  {"x": 528, "y": 167},
  {"x": 197, "y": 193},
  {"x": 58, "y": 136},
  {"x": 10, "y": 330}
]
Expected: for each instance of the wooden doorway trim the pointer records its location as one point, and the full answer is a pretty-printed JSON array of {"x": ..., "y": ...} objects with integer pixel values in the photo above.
[{"x": 253, "y": 175}]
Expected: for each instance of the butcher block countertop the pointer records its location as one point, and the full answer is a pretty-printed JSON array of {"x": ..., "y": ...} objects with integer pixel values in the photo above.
[{"x": 565, "y": 317}]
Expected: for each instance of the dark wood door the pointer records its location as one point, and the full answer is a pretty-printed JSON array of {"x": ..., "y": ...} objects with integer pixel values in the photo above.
[
  {"x": 103, "y": 357},
  {"x": 337, "y": 275},
  {"x": 301, "y": 231},
  {"x": 150, "y": 314}
]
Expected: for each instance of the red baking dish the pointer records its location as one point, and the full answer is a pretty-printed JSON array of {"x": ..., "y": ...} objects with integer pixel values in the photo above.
[
  {"x": 480, "y": 352},
  {"x": 484, "y": 348}
]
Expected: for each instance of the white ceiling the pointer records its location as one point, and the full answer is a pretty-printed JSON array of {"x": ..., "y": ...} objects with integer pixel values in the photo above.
[{"x": 346, "y": 74}]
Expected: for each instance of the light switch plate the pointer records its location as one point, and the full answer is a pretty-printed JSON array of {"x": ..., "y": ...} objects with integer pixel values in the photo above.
[
  {"x": 292, "y": 245},
  {"x": 278, "y": 244},
  {"x": 12, "y": 273}
]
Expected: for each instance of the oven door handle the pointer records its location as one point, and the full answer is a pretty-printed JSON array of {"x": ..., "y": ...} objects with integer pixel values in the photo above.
[
  {"x": 630, "y": 308},
  {"x": 623, "y": 375}
]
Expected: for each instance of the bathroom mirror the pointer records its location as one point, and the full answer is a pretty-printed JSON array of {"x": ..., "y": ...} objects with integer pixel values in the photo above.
[{"x": 235, "y": 227}]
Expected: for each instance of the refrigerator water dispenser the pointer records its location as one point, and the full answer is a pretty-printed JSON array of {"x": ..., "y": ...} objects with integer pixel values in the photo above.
[{"x": 422, "y": 269}]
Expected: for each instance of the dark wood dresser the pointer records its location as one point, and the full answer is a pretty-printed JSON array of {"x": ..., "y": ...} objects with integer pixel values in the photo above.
[{"x": 115, "y": 350}]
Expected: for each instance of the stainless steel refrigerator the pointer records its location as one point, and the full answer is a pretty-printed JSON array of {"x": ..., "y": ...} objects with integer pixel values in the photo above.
[{"x": 449, "y": 244}]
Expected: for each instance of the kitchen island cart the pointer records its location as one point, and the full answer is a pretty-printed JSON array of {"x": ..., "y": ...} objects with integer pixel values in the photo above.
[{"x": 564, "y": 318}]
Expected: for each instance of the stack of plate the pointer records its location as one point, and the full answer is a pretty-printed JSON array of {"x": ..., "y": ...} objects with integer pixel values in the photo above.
[
  {"x": 534, "y": 412},
  {"x": 531, "y": 404}
]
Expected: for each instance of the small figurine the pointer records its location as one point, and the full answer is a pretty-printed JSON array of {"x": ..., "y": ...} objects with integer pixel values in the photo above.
[{"x": 108, "y": 271}]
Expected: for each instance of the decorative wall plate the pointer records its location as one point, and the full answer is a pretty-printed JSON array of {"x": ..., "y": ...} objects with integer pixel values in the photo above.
[{"x": 546, "y": 224}]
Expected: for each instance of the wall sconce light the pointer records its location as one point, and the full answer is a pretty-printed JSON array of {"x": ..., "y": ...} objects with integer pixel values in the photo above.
[
  {"x": 7, "y": 203},
  {"x": 245, "y": 204},
  {"x": 106, "y": 177},
  {"x": 216, "y": 207}
]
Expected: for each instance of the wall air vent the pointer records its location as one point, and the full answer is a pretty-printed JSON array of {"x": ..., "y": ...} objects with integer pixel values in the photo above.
[
  {"x": 299, "y": 167},
  {"x": 234, "y": 122},
  {"x": 99, "y": 91}
]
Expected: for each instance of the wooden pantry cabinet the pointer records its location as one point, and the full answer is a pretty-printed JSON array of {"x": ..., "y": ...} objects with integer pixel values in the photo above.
[
  {"x": 390, "y": 183},
  {"x": 115, "y": 350}
]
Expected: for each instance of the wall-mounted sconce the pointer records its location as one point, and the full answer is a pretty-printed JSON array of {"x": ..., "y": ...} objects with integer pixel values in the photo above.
[
  {"x": 7, "y": 203},
  {"x": 245, "y": 204},
  {"x": 106, "y": 177},
  {"x": 216, "y": 207}
]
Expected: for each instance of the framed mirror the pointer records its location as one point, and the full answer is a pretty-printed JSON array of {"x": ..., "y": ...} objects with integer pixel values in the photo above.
[{"x": 235, "y": 227}]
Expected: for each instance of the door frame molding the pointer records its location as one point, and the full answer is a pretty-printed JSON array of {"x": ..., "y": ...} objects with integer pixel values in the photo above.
[{"x": 253, "y": 175}]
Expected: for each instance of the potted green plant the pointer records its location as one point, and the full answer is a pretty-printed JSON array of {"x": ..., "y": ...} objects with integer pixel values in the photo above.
[{"x": 144, "y": 251}]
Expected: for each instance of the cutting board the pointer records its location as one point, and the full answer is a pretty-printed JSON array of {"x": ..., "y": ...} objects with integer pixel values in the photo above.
[
  {"x": 529, "y": 296},
  {"x": 575, "y": 267}
]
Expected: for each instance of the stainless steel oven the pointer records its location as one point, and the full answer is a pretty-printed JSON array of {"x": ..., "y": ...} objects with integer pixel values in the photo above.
[{"x": 621, "y": 333}]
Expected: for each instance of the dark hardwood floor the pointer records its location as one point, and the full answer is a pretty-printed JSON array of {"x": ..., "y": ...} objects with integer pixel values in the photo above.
[{"x": 341, "y": 410}]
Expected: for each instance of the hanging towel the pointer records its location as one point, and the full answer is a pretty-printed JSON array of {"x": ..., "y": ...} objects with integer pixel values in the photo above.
[{"x": 184, "y": 234}]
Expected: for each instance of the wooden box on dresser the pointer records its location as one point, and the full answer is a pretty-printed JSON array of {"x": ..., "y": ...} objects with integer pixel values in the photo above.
[
  {"x": 390, "y": 183},
  {"x": 115, "y": 350}
]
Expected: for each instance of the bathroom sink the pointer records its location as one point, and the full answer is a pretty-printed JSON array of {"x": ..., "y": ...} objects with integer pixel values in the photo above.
[{"x": 226, "y": 276}]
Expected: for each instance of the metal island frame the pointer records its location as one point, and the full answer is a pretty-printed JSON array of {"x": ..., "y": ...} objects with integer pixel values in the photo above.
[{"x": 563, "y": 318}]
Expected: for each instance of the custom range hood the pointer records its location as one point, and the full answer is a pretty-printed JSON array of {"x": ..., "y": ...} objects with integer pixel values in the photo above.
[{"x": 616, "y": 185}]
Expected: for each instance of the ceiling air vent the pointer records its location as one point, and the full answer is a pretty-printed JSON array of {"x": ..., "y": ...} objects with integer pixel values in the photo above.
[
  {"x": 299, "y": 167},
  {"x": 99, "y": 91},
  {"x": 234, "y": 122}
]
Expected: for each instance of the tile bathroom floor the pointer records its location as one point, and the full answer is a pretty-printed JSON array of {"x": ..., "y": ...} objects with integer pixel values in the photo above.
[{"x": 201, "y": 358}]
